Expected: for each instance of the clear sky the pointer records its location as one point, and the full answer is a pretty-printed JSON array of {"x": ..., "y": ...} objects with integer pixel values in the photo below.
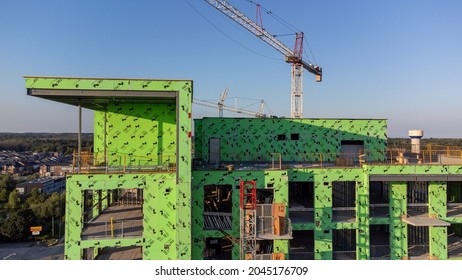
[{"x": 395, "y": 59}]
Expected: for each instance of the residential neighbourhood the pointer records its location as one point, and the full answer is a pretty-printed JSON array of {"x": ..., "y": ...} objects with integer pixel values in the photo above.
[{"x": 26, "y": 163}]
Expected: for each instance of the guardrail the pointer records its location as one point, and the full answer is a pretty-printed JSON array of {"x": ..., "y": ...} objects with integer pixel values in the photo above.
[
  {"x": 122, "y": 163},
  {"x": 112, "y": 229},
  {"x": 276, "y": 160}
]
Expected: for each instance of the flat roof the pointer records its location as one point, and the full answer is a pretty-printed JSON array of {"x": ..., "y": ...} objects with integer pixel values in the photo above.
[{"x": 96, "y": 93}]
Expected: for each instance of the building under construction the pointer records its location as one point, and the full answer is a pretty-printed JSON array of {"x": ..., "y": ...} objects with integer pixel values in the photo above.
[{"x": 247, "y": 188}]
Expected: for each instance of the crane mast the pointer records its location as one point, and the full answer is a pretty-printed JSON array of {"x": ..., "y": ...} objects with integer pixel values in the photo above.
[{"x": 290, "y": 56}]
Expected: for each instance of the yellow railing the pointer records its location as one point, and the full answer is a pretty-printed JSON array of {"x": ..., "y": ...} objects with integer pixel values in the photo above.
[{"x": 122, "y": 163}]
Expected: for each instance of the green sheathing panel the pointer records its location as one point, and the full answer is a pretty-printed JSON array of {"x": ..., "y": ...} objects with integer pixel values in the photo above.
[
  {"x": 255, "y": 139},
  {"x": 413, "y": 169},
  {"x": 165, "y": 230},
  {"x": 437, "y": 198},
  {"x": 362, "y": 214},
  {"x": 274, "y": 179},
  {"x": 137, "y": 134},
  {"x": 74, "y": 214},
  {"x": 160, "y": 219},
  {"x": 281, "y": 246},
  {"x": 99, "y": 244},
  {"x": 152, "y": 126},
  {"x": 323, "y": 219},
  {"x": 398, "y": 229},
  {"x": 438, "y": 243},
  {"x": 182, "y": 89}
]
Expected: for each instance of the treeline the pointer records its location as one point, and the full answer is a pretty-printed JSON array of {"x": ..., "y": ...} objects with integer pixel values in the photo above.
[
  {"x": 18, "y": 213},
  {"x": 64, "y": 143},
  {"x": 424, "y": 142}
]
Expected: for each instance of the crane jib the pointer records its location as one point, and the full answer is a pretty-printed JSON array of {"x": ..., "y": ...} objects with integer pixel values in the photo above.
[{"x": 292, "y": 56}]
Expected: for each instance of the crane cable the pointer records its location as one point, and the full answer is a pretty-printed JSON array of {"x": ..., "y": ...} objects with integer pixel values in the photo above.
[
  {"x": 229, "y": 37},
  {"x": 289, "y": 26}
]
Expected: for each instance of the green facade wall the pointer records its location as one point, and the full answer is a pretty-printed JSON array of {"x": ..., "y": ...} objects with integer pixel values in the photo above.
[
  {"x": 322, "y": 224},
  {"x": 136, "y": 134},
  {"x": 138, "y": 123},
  {"x": 246, "y": 139}
]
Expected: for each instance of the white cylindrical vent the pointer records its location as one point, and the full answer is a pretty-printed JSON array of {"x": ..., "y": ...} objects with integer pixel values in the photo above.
[{"x": 415, "y": 140}]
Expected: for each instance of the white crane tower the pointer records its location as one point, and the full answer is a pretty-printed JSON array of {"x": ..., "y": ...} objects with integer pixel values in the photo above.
[{"x": 291, "y": 56}]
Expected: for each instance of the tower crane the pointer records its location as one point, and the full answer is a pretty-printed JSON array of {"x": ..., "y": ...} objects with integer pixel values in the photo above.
[
  {"x": 221, "y": 106},
  {"x": 290, "y": 56},
  {"x": 221, "y": 103}
]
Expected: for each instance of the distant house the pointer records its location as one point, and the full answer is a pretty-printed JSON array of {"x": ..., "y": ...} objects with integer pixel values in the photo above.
[
  {"x": 55, "y": 169},
  {"x": 44, "y": 184},
  {"x": 28, "y": 167},
  {"x": 8, "y": 169}
]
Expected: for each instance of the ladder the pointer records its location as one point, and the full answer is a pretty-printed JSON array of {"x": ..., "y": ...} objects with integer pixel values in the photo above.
[{"x": 248, "y": 220}]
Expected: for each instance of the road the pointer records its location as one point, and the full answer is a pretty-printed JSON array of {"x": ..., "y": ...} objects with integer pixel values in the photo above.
[{"x": 31, "y": 251}]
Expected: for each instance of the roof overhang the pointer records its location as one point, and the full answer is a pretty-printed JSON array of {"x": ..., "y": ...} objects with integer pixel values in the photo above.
[{"x": 99, "y": 99}]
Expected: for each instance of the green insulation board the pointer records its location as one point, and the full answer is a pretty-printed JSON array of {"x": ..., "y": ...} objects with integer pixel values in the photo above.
[
  {"x": 398, "y": 229},
  {"x": 138, "y": 123},
  {"x": 136, "y": 120},
  {"x": 137, "y": 135},
  {"x": 247, "y": 139},
  {"x": 166, "y": 217},
  {"x": 323, "y": 224}
]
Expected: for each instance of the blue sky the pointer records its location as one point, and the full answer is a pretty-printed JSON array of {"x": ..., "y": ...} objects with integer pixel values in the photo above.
[{"x": 399, "y": 60}]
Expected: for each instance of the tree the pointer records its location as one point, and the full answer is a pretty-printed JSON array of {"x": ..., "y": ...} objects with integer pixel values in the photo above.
[
  {"x": 35, "y": 202},
  {"x": 17, "y": 226},
  {"x": 14, "y": 200},
  {"x": 4, "y": 195},
  {"x": 7, "y": 182}
]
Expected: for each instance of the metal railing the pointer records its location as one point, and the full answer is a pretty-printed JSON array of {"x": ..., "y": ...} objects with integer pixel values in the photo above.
[
  {"x": 274, "y": 160},
  {"x": 122, "y": 163},
  {"x": 112, "y": 229}
]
